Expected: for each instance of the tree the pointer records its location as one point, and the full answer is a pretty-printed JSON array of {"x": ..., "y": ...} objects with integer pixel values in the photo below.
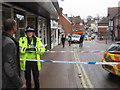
[
  {"x": 89, "y": 18},
  {"x": 97, "y": 17}
]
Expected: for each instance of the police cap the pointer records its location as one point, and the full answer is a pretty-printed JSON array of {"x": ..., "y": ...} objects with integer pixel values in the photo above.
[{"x": 30, "y": 29}]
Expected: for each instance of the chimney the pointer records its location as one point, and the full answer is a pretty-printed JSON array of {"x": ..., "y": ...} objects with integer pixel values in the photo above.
[
  {"x": 65, "y": 14},
  {"x": 61, "y": 9}
]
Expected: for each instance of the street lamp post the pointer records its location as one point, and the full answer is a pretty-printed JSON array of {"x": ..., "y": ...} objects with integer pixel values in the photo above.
[{"x": 106, "y": 37}]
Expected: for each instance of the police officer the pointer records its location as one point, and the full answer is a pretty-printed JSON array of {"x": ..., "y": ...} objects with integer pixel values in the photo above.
[
  {"x": 31, "y": 43},
  {"x": 69, "y": 40}
]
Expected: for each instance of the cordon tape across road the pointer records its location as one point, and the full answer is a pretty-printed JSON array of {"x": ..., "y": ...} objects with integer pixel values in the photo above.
[
  {"x": 73, "y": 51},
  {"x": 69, "y": 62}
]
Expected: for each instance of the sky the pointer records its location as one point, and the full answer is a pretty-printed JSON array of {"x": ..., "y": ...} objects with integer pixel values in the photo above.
[{"x": 85, "y": 8}]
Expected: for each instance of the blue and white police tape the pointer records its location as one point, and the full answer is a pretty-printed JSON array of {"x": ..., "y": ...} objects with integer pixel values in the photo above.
[{"x": 70, "y": 62}]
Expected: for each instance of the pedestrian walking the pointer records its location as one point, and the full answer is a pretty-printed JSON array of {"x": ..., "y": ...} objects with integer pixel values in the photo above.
[
  {"x": 31, "y": 43},
  {"x": 63, "y": 40},
  {"x": 81, "y": 40},
  {"x": 10, "y": 57}
]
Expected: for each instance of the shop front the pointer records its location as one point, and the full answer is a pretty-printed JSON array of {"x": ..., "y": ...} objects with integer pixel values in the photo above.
[
  {"x": 54, "y": 33},
  {"x": 36, "y": 16}
]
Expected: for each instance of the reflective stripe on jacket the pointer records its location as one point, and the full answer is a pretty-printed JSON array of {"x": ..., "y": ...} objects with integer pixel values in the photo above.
[{"x": 113, "y": 58}]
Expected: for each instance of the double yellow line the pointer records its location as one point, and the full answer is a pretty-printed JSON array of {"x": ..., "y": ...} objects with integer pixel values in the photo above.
[{"x": 80, "y": 70}]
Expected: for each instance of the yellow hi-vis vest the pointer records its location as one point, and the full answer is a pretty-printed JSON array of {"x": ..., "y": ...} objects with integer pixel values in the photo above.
[{"x": 23, "y": 44}]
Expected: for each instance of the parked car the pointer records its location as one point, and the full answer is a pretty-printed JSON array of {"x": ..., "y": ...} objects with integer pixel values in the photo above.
[
  {"x": 75, "y": 38},
  {"x": 112, "y": 57}
]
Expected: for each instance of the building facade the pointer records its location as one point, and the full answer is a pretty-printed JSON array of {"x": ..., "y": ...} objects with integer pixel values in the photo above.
[
  {"x": 113, "y": 18},
  {"x": 54, "y": 33},
  {"x": 102, "y": 28},
  {"x": 65, "y": 23},
  {"x": 37, "y": 16}
]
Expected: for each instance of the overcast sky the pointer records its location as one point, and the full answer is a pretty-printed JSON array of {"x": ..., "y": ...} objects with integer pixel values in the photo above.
[{"x": 86, "y": 8}]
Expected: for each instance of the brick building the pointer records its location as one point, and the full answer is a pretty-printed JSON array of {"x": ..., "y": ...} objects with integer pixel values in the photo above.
[
  {"x": 114, "y": 22},
  {"x": 77, "y": 25},
  {"x": 65, "y": 23},
  {"x": 117, "y": 28},
  {"x": 102, "y": 28}
]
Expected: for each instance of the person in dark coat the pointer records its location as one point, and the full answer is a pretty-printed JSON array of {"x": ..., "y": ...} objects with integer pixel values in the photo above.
[
  {"x": 81, "y": 40},
  {"x": 63, "y": 40},
  {"x": 10, "y": 57}
]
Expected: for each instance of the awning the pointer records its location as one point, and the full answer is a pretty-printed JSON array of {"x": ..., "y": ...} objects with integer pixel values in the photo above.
[{"x": 45, "y": 9}]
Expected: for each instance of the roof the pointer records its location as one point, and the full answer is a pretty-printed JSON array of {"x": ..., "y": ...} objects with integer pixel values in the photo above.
[
  {"x": 76, "y": 20},
  {"x": 67, "y": 18},
  {"x": 103, "y": 21},
  {"x": 112, "y": 12}
]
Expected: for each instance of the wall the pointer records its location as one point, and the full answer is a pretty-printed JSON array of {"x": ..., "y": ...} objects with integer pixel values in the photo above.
[
  {"x": 102, "y": 28},
  {"x": 117, "y": 31}
]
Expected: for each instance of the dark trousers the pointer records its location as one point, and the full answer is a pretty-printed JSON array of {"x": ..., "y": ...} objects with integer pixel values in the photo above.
[
  {"x": 69, "y": 42},
  {"x": 63, "y": 42},
  {"x": 32, "y": 66}
]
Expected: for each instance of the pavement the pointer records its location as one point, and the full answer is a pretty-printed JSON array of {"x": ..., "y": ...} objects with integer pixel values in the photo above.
[
  {"x": 109, "y": 42},
  {"x": 57, "y": 75}
]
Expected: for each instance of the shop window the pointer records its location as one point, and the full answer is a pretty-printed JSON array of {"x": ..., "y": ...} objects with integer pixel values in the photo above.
[
  {"x": 32, "y": 21},
  {"x": 20, "y": 19},
  {"x": 6, "y": 12},
  {"x": 42, "y": 29}
]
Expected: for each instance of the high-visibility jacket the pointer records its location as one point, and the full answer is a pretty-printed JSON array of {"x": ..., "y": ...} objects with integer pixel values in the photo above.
[
  {"x": 23, "y": 43},
  {"x": 69, "y": 38}
]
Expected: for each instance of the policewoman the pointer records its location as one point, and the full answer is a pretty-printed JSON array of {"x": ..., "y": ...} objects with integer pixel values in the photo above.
[{"x": 29, "y": 45}]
